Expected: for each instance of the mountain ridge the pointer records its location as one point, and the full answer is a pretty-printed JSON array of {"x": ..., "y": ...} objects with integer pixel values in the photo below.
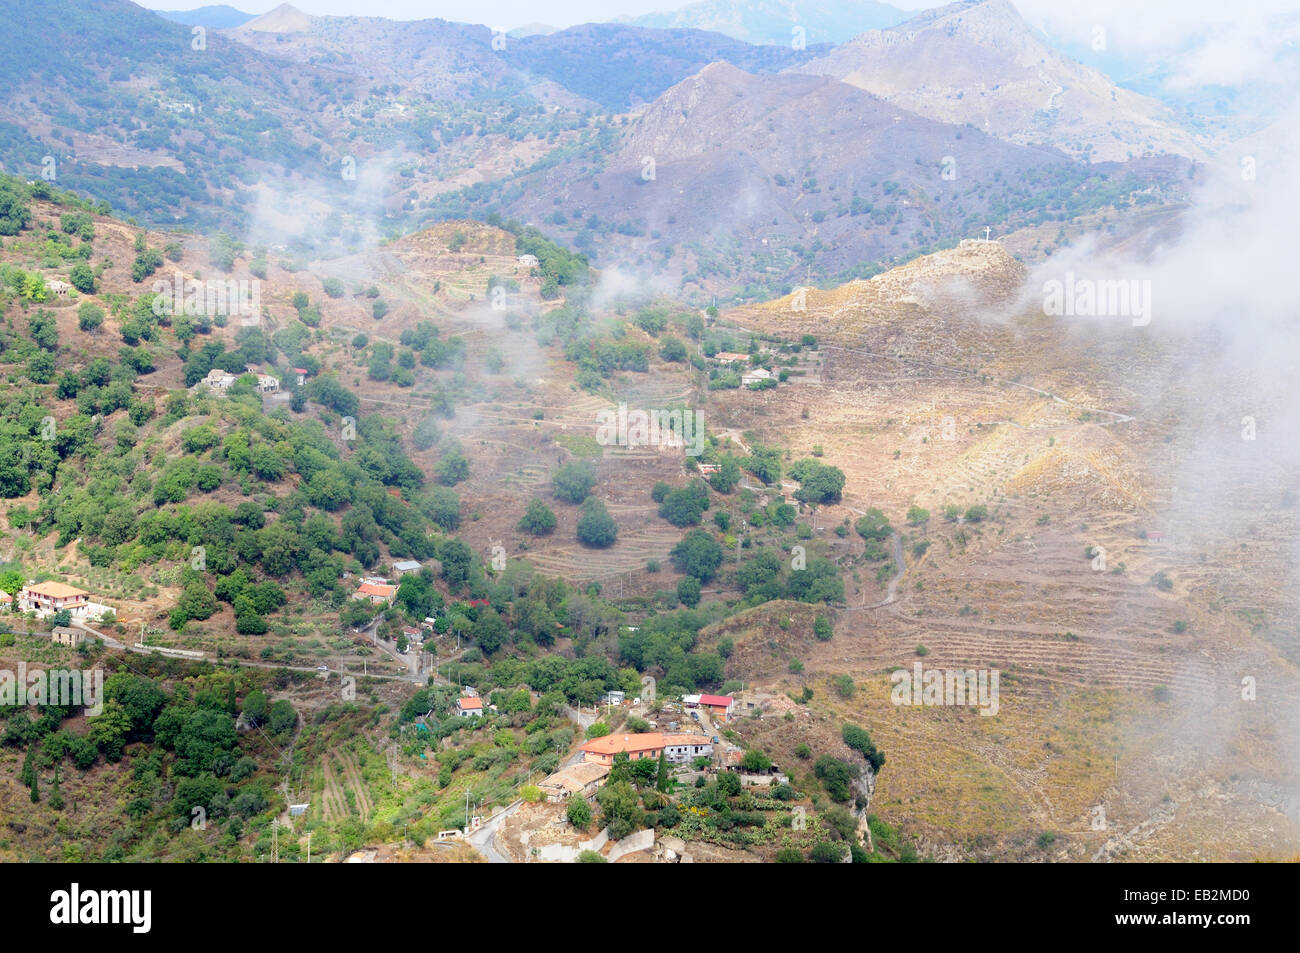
[{"x": 979, "y": 62}]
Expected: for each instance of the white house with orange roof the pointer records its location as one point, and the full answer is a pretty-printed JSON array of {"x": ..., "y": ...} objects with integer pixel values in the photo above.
[
  {"x": 469, "y": 707},
  {"x": 377, "y": 592},
  {"x": 47, "y": 598},
  {"x": 677, "y": 748}
]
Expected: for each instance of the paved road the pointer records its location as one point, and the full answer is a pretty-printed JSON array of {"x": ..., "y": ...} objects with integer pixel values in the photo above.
[
  {"x": 484, "y": 839},
  {"x": 585, "y": 719}
]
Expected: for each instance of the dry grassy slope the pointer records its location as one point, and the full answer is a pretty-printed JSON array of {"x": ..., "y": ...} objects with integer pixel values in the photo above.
[{"x": 1082, "y": 652}]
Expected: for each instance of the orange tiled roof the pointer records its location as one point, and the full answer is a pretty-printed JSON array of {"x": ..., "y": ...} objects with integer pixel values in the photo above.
[
  {"x": 470, "y": 704},
  {"x": 56, "y": 590},
  {"x": 618, "y": 743},
  {"x": 375, "y": 589}
]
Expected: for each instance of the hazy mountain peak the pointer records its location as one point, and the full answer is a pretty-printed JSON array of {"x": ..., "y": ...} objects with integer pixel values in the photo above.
[
  {"x": 219, "y": 17},
  {"x": 980, "y": 63},
  {"x": 283, "y": 19}
]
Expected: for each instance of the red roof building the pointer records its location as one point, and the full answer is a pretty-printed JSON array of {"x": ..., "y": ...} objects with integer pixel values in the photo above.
[
  {"x": 469, "y": 707},
  {"x": 376, "y": 592},
  {"x": 720, "y": 705}
]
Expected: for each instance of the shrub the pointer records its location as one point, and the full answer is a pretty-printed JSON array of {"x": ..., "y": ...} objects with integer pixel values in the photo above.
[
  {"x": 90, "y": 316},
  {"x": 836, "y": 776},
  {"x": 873, "y": 526},
  {"x": 859, "y": 740},
  {"x": 826, "y": 852},
  {"x": 538, "y": 519},
  {"x": 82, "y": 278},
  {"x": 579, "y": 813},
  {"x": 688, "y": 591},
  {"x": 573, "y": 481},
  {"x": 755, "y": 760},
  {"x": 596, "y": 527}
]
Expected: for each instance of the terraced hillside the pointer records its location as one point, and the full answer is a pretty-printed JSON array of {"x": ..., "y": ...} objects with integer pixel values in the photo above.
[{"x": 1110, "y": 579}]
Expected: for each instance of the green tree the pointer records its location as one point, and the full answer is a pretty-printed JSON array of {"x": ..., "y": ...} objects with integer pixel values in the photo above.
[
  {"x": 874, "y": 526},
  {"x": 859, "y": 740},
  {"x": 452, "y": 468},
  {"x": 579, "y": 812},
  {"x": 595, "y": 526},
  {"x": 685, "y": 505},
  {"x": 573, "y": 481},
  {"x": 620, "y": 809},
  {"x": 109, "y": 730},
  {"x": 283, "y": 718},
  {"x": 755, "y": 760},
  {"x": 255, "y": 707},
  {"x": 672, "y": 349},
  {"x": 819, "y": 482},
  {"x": 538, "y": 519},
  {"x": 82, "y": 278},
  {"x": 698, "y": 555},
  {"x": 728, "y": 784},
  {"x": 836, "y": 776},
  {"x": 688, "y": 591}
]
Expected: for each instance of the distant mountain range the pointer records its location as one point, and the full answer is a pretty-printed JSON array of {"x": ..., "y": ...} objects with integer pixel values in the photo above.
[
  {"x": 732, "y": 179},
  {"x": 218, "y": 17},
  {"x": 781, "y": 22},
  {"x": 765, "y": 161},
  {"x": 608, "y": 65}
]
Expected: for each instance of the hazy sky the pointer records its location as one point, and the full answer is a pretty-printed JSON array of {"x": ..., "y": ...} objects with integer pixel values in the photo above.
[{"x": 504, "y": 13}]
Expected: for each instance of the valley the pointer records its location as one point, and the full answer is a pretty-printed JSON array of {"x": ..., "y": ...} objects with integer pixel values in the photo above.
[{"x": 342, "y": 530}]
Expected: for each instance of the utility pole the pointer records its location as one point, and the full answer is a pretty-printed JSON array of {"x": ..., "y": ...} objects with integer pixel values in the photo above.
[{"x": 309, "y": 847}]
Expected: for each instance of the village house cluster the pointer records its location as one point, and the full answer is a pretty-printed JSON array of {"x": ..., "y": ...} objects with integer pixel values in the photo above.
[{"x": 219, "y": 380}]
